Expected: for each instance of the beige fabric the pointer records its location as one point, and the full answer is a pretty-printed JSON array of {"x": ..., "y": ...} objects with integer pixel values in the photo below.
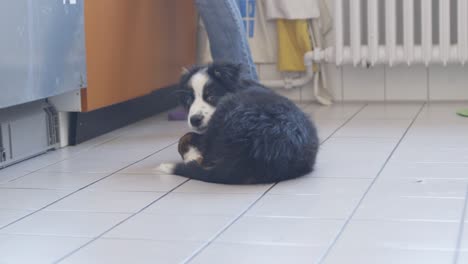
[
  {"x": 292, "y": 9},
  {"x": 263, "y": 45},
  {"x": 300, "y": 9}
]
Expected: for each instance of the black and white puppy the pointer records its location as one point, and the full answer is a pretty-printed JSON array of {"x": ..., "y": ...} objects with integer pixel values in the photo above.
[{"x": 249, "y": 134}]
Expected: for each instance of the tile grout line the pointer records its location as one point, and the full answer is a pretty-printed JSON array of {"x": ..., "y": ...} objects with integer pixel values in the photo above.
[
  {"x": 385, "y": 69},
  {"x": 226, "y": 227},
  {"x": 344, "y": 123},
  {"x": 461, "y": 229},
  {"x": 212, "y": 240},
  {"x": 54, "y": 163},
  {"x": 77, "y": 154},
  {"x": 84, "y": 187},
  {"x": 120, "y": 222},
  {"x": 348, "y": 220},
  {"x": 428, "y": 85},
  {"x": 342, "y": 84}
]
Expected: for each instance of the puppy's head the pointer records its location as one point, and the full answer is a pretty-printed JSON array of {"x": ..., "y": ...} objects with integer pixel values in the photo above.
[{"x": 203, "y": 87}]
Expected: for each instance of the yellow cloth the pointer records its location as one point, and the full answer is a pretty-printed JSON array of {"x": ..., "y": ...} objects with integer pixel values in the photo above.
[{"x": 293, "y": 43}]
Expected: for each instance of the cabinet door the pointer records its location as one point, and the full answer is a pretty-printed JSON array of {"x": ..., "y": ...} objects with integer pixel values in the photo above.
[{"x": 135, "y": 47}]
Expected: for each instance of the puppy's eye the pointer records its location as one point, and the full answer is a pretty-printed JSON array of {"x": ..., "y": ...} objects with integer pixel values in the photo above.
[{"x": 211, "y": 98}]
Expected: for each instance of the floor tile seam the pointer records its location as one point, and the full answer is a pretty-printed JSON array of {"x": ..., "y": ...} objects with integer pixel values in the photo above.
[
  {"x": 204, "y": 241},
  {"x": 461, "y": 230},
  {"x": 54, "y": 163},
  {"x": 91, "y": 189},
  {"x": 227, "y": 226},
  {"x": 206, "y": 245},
  {"x": 118, "y": 224},
  {"x": 78, "y": 190},
  {"x": 340, "y": 232},
  {"x": 346, "y": 121}
]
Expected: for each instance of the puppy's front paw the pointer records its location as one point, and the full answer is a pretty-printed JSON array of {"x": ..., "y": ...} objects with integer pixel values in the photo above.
[
  {"x": 167, "y": 168},
  {"x": 193, "y": 154}
]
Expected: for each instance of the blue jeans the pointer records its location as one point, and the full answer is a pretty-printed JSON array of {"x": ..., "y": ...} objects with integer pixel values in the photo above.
[{"x": 226, "y": 33}]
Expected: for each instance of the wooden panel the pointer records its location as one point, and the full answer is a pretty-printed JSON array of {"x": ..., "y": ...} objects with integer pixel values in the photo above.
[{"x": 134, "y": 47}]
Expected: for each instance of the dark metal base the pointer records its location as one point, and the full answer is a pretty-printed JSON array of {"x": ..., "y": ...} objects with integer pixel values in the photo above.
[{"x": 85, "y": 126}]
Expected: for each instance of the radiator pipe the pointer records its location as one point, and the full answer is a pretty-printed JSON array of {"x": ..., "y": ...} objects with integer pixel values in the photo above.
[
  {"x": 309, "y": 76},
  {"x": 291, "y": 83}
]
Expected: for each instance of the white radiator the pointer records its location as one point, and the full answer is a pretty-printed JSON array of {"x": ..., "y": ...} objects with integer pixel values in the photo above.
[{"x": 390, "y": 32}]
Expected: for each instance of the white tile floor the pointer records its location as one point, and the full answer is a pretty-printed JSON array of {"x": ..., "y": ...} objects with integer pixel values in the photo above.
[{"x": 390, "y": 187}]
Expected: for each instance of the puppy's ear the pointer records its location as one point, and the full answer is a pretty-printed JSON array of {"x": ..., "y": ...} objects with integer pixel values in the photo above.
[
  {"x": 184, "y": 71},
  {"x": 182, "y": 90},
  {"x": 186, "y": 74},
  {"x": 228, "y": 73}
]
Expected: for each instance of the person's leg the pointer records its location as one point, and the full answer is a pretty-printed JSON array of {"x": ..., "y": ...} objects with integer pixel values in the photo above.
[{"x": 226, "y": 33}]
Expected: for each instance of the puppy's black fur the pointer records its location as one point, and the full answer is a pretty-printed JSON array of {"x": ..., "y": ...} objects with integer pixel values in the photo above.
[{"x": 254, "y": 135}]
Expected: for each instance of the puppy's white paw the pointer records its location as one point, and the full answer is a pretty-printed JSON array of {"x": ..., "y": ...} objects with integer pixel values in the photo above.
[
  {"x": 166, "y": 168},
  {"x": 192, "y": 155}
]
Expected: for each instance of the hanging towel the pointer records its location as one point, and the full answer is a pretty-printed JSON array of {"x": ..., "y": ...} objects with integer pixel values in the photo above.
[
  {"x": 317, "y": 14},
  {"x": 261, "y": 42},
  {"x": 326, "y": 20},
  {"x": 300, "y": 9},
  {"x": 292, "y": 26},
  {"x": 292, "y": 9},
  {"x": 293, "y": 43}
]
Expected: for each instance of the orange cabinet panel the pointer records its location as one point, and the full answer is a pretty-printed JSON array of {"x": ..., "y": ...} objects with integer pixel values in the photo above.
[{"x": 135, "y": 46}]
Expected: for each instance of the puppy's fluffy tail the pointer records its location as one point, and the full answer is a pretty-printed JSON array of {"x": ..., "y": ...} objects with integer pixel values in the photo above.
[{"x": 221, "y": 173}]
